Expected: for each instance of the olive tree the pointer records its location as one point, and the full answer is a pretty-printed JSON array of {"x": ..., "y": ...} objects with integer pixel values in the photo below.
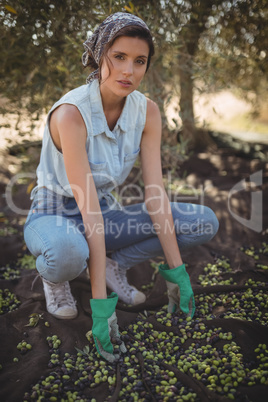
[{"x": 213, "y": 42}]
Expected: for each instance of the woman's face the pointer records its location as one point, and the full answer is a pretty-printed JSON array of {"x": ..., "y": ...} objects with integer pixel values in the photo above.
[{"x": 127, "y": 60}]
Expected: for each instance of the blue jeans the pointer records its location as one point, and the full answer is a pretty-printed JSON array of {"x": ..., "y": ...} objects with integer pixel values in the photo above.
[{"x": 54, "y": 233}]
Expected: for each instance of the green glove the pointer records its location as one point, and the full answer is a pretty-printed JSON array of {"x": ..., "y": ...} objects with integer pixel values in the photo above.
[
  {"x": 180, "y": 292},
  {"x": 105, "y": 326}
]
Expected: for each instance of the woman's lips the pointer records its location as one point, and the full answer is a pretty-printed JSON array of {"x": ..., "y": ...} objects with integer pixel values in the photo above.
[{"x": 124, "y": 83}]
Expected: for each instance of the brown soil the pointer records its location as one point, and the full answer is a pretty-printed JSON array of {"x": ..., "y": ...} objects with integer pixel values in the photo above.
[{"x": 215, "y": 172}]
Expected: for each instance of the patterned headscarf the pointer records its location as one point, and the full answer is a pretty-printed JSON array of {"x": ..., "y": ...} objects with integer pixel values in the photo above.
[{"x": 105, "y": 33}]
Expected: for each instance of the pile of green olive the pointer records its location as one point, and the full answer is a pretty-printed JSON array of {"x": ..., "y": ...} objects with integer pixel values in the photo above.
[{"x": 8, "y": 301}]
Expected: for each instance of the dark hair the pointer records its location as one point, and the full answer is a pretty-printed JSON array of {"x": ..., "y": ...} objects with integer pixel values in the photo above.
[{"x": 132, "y": 31}]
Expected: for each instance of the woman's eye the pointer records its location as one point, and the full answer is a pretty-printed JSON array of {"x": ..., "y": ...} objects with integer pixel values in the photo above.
[
  {"x": 119, "y": 56},
  {"x": 140, "y": 61}
]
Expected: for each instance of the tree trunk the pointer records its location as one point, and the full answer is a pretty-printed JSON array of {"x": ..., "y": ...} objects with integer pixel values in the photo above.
[
  {"x": 196, "y": 138},
  {"x": 186, "y": 98}
]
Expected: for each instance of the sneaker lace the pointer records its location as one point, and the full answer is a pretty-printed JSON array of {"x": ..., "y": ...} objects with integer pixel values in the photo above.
[
  {"x": 35, "y": 279},
  {"x": 123, "y": 277},
  {"x": 61, "y": 295}
]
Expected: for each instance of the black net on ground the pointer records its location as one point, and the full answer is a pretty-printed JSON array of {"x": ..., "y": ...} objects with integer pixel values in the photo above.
[{"x": 219, "y": 355}]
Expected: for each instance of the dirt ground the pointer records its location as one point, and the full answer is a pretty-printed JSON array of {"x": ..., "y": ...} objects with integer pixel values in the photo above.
[{"x": 214, "y": 174}]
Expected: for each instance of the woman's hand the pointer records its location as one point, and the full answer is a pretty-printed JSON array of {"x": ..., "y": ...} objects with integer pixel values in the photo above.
[
  {"x": 180, "y": 293},
  {"x": 105, "y": 327}
]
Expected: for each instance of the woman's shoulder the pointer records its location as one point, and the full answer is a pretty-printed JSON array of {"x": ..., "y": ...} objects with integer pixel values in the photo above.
[
  {"x": 153, "y": 117},
  {"x": 153, "y": 110},
  {"x": 72, "y": 101},
  {"x": 67, "y": 108},
  {"x": 67, "y": 112},
  {"x": 76, "y": 95}
]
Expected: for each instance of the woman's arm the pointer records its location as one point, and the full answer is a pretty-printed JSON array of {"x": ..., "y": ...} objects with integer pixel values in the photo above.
[
  {"x": 156, "y": 198},
  {"x": 69, "y": 135},
  {"x": 180, "y": 292}
]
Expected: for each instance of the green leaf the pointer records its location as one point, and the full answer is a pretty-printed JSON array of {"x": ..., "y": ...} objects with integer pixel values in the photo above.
[
  {"x": 79, "y": 350},
  {"x": 85, "y": 351}
]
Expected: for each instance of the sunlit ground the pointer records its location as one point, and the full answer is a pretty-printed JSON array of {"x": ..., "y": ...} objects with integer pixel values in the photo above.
[
  {"x": 226, "y": 113},
  {"x": 12, "y": 132}
]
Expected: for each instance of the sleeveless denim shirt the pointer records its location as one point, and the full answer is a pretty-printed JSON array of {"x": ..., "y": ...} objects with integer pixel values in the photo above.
[{"x": 111, "y": 154}]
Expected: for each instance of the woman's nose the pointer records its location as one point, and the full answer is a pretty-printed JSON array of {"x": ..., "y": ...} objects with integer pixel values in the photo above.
[{"x": 128, "y": 68}]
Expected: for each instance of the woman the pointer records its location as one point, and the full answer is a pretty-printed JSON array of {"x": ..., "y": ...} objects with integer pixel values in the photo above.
[{"x": 92, "y": 138}]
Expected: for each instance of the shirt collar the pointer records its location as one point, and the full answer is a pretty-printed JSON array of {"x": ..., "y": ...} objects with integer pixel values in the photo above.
[{"x": 99, "y": 122}]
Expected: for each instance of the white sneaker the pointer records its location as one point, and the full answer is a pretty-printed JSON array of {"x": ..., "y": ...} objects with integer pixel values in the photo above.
[
  {"x": 116, "y": 280},
  {"x": 59, "y": 300}
]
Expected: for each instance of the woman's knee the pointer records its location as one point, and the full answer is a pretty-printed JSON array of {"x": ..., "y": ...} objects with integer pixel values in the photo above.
[
  {"x": 66, "y": 261},
  {"x": 60, "y": 256},
  {"x": 205, "y": 227},
  {"x": 195, "y": 218},
  {"x": 194, "y": 224},
  {"x": 211, "y": 222}
]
